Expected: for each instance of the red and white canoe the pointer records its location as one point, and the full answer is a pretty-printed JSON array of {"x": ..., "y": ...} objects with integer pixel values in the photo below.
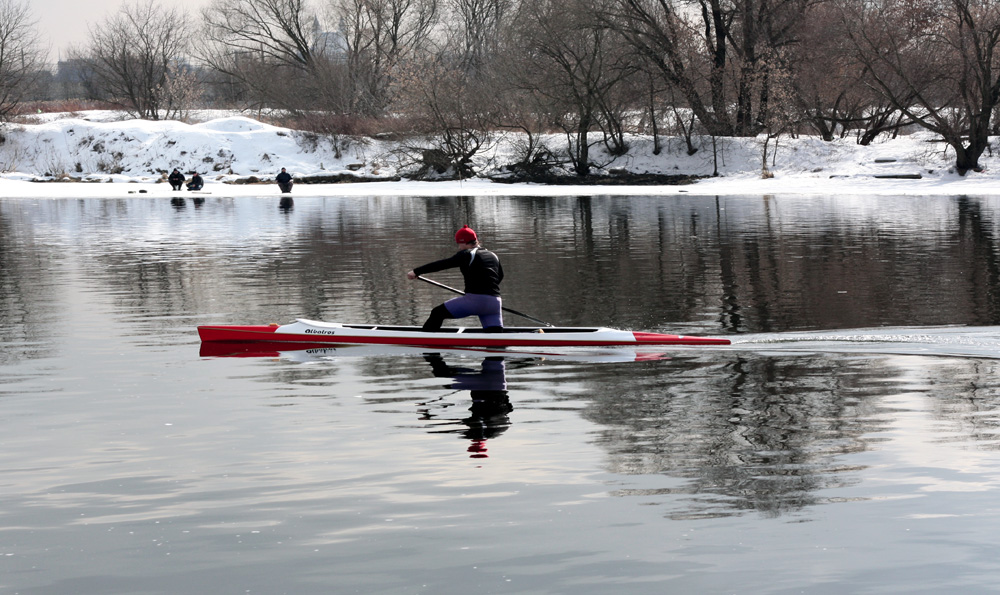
[{"x": 313, "y": 332}]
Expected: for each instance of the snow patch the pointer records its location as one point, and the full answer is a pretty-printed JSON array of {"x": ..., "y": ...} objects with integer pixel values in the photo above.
[{"x": 235, "y": 124}]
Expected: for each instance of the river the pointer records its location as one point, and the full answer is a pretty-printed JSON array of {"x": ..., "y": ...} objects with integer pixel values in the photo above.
[{"x": 846, "y": 442}]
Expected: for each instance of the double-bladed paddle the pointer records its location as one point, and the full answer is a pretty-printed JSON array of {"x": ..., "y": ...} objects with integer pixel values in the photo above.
[{"x": 460, "y": 292}]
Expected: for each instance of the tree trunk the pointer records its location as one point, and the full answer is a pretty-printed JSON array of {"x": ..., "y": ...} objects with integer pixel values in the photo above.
[
  {"x": 652, "y": 118},
  {"x": 824, "y": 128},
  {"x": 967, "y": 156},
  {"x": 582, "y": 153}
]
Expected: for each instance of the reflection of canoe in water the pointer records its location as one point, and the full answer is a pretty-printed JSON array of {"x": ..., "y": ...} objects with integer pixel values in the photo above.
[
  {"x": 317, "y": 352},
  {"x": 308, "y": 331}
]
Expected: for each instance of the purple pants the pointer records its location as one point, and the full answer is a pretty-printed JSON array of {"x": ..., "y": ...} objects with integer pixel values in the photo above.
[{"x": 486, "y": 307}]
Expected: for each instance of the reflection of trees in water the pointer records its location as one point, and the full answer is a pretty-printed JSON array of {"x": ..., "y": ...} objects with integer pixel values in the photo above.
[
  {"x": 768, "y": 434},
  {"x": 976, "y": 245},
  {"x": 742, "y": 264},
  {"x": 965, "y": 393},
  {"x": 760, "y": 434},
  {"x": 843, "y": 270},
  {"x": 715, "y": 434},
  {"x": 27, "y": 296}
]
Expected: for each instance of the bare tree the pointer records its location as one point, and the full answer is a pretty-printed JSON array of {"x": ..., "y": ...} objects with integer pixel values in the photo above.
[
  {"x": 450, "y": 104},
  {"x": 826, "y": 78},
  {"x": 380, "y": 36},
  {"x": 276, "y": 49},
  {"x": 831, "y": 84},
  {"x": 20, "y": 55},
  {"x": 454, "y": 92},
  {"x": 136, "y": 57},
  {"x": 620, "y": 104},
  {"x": 576, "y": 62},
  {"x": 278, "y": 31},
  {"x": 520, "y": 108},
  {"x": 783, "y": 113},
  {"x": 712, "y": 51},
  {"x": 477, "y": 28},
  {"x": 936, "y": 61}
]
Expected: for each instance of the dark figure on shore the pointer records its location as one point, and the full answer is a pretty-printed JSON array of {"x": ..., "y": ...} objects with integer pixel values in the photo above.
[
  {"x": 176, "y": 179},
  {"x": 196, "y": 182},
  {"x": 284, "y": 180},
  {"x": 482, "y": 272}
]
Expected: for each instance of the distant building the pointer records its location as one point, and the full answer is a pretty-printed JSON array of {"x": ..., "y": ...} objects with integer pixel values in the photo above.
[
  {"x": 331, "y": 44},
  {"x": 72, "y": 80}
]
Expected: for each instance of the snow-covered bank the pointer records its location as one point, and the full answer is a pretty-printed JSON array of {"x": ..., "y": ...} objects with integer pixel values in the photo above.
[
  {"x": 134, "y": 154},
  {"x": 735, "y": 185}
]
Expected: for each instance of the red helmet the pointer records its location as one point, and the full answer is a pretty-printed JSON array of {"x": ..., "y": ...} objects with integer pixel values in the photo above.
[{"x": 465, "y": 235}]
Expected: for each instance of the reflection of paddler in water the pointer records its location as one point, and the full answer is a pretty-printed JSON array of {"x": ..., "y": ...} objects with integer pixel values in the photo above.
[{"x": 490, "y": 404}]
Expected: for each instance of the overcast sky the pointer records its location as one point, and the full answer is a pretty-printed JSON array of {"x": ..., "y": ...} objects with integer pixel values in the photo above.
[{"x": 64, "y": 22}]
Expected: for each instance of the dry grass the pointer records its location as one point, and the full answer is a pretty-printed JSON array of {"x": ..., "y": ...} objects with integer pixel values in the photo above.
[
  {"x": 348, "y": 125},
  {"x": 64, "y": 105}
]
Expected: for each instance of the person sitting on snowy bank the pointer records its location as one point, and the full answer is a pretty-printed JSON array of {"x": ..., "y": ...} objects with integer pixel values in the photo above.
[{"x": 196, "y": 182}]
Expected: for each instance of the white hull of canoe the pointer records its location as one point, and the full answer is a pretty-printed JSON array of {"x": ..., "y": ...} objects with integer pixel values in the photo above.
[{"x": 311, "y": 331}]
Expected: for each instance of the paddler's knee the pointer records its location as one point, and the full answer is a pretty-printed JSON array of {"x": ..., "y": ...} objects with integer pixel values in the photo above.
[{"x": 438, "y": 315}]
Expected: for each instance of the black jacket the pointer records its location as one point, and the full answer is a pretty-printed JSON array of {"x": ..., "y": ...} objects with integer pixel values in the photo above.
[{"x": 480, "y": 267}]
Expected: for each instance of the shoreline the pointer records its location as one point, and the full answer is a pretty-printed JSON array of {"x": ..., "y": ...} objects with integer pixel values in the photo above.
[
  {"x": 943, "y": 185},
  {"x": 238, "y": 157}
]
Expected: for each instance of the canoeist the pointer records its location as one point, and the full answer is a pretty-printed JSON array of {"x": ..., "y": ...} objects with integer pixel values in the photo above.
[{"x": 483, "y": 274}]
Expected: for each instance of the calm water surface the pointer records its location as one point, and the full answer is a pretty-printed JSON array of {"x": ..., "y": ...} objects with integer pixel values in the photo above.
[{"x": 847, "y": 442}]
